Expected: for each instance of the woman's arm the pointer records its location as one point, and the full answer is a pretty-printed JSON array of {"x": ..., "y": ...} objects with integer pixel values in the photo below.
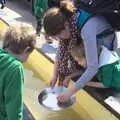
[{"x": 88, "y": 34}]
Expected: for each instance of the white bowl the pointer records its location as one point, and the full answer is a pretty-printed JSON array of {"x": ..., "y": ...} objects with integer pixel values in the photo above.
[{"x": 48, "y": 99}]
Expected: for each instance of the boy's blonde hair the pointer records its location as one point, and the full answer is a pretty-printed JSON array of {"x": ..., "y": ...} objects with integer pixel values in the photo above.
[
  {"x": 78, "y": 52},
  {"x": 19, "y": 37}
]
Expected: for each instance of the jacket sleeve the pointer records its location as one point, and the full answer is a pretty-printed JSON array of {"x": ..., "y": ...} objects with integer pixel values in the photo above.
[
  {"x": 14, "y": 94},
  {"x": 90, "y": 45},
  {"x": 45, "y": 7}
]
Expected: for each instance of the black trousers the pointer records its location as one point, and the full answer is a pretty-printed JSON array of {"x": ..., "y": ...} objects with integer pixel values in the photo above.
[{"x": 39, "y": 25}]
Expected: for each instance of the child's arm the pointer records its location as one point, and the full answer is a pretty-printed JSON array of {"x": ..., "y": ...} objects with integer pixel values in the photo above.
[
  {"x": 55, "y": 75},
  {"x": 69, "y": 77},
  {"x": 77, "y": 73},
  {"x": 96, "y": 84}
]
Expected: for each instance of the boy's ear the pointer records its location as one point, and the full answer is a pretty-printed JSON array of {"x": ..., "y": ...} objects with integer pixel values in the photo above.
[{"x": 28, "y": 49}]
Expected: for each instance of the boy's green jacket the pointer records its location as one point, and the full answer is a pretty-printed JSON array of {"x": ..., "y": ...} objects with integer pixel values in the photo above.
[
  {"x": 11, "y": 87},
  {"x": 40, "y": 4}
]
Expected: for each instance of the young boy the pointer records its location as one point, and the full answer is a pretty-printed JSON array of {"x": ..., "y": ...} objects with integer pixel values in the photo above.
[
  {"x": 39, "y": 9},
  {"x": 78, "y": 54},
  {"x": 19, "y": 41}
]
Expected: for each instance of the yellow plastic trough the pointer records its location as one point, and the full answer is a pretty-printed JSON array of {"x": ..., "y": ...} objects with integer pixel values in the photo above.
[
  {"x": 86, "y": 108},
  {"x": 3, "y": 26}
]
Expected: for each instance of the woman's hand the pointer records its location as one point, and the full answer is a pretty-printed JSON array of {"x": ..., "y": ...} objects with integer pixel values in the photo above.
[{"x": 64, "y": 97}]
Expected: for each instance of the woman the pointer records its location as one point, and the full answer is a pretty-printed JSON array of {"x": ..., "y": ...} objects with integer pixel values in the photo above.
[
  {"x": 64, "y": 64},
  {"x": 95, "y": 31}
]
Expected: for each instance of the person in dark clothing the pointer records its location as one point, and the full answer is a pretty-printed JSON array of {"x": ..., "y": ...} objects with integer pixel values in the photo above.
[
  {"x": 3, "y": 2},
  {"x": 53, "y": 3},
  {"x": 40, "y": 7}
]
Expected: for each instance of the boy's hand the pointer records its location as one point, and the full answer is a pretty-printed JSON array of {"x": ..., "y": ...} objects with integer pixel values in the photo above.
[
  {"x": 66, "y": 81},
  {"x": 53, "y": 82},
  {"x": 60, "y": 83}
]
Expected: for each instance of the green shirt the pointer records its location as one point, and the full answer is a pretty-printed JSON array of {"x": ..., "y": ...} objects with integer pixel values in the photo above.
[
  {"x": 11, "y": 87},
  {"x": 40, "y": 4},
  {"x": 109, "y": 75}
]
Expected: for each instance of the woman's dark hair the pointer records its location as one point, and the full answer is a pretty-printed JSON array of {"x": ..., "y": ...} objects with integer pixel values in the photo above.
[{"x": 55, "y": 18}]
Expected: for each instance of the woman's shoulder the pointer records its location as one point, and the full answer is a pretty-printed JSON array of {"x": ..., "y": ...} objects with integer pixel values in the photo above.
[{"x": 96, "y": 22}]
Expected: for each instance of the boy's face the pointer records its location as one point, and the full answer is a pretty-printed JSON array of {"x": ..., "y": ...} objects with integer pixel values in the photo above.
[
  {"x": 81, "y": 62},
  {"x": 77, "y": 60}
]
